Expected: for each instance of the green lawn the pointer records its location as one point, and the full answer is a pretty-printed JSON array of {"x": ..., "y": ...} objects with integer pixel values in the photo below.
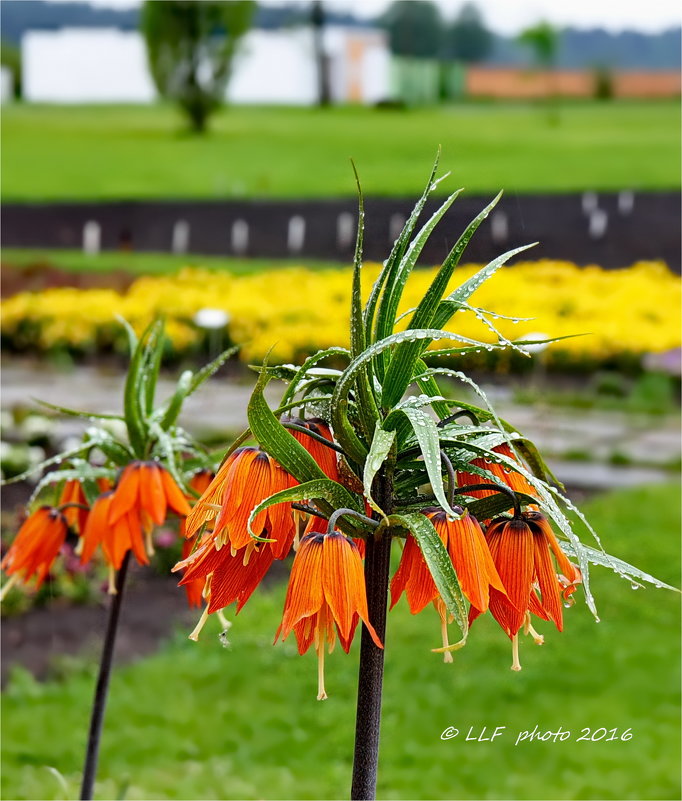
[
  {"x": 203, "y": 722},
  {"x": 142, "y": 263},
  {"x": 60, "y": 153}
]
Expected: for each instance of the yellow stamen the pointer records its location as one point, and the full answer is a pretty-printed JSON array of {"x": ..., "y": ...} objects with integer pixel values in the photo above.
[
  {"x": 321, "y": 636},
  {"x": 202, "y": 622},
  {"x": 516, "y": 665},
  {"x": 111, "y": 589},
  {"x": 248, "y": 551},
  {"x": 78, "y": 550},
  {"x": 447, "y": 655},
  {"x": 224, "y": 622},
  {"x": 148, "y": 542},
  {"x": 528, "y": 629},
  {"x": 8, "y": 586}
]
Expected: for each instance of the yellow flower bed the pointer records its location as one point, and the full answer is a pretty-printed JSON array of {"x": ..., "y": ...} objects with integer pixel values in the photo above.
[{"x": 296, "y": 310}]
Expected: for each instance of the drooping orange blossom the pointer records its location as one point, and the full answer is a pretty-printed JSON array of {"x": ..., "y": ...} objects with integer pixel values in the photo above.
[{"x": 522, "y": 550}]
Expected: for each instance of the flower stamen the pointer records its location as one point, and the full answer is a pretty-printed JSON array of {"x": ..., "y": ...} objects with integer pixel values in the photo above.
[
  {"x": 516, "y": 665},
  {"x": 197, "y": 629}
]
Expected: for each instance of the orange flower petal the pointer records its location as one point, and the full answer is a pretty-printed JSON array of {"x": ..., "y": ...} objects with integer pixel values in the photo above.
[{"x": 126, "y": 493}]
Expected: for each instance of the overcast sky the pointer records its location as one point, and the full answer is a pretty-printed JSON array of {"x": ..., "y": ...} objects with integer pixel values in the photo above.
[{"x": 510, "y": 16}]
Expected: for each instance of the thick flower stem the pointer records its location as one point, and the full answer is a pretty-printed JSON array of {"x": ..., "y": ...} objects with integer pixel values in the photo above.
[
  {"x": 370, "y": 678},
  {"x": 102, "y": 688}
]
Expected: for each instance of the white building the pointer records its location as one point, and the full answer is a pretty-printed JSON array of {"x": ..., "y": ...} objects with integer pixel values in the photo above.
[{"x": 97, "y": 65}]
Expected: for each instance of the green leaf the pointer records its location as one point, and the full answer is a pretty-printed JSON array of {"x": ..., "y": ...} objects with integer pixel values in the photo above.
[
  {"x": 449, "y": 306},
  {"x": 153, "y": 356},
  {"x": 439, "y": 564},
  {"x": 115, "y": 451},
  {"x": 212, "y": 367},
  {"x": 130, "y": 333},
  {"x": 407, "y": 354},
  {"x": 318, "y": 489},
  {"x": 423, "y": 316},
  {"x": 397, "y": 252},
  {"x": 487, "y": 508},
  {"x": 537, "y": 464},
  {"x": 426, "y": 432},
  {"x": 307, "y": 365},
  {"x": 276, "y": 440},
  {"x": 182, "y": 390},
  {"x": 430, "y": 387},
  {"x": 80, "y": 472},
  {"x": 388, "y": 308},
  {"x": 132, "y": 395},
  {"x": 382, "y": 442},
  {"x": 368, "y": 411},
  {"x": 77, "y": 413},
  {"x": 621, "y": 568},
  {"x": 57, "y": 459},
  {"x": 347, "y": 378}
]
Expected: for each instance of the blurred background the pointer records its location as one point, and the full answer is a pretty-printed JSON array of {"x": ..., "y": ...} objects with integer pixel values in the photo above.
[{"x": 193, "y": 159}]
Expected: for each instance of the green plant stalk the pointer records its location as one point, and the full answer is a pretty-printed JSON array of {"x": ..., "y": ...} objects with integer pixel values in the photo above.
[
  {"x": 371, "y": 673},
  {"x": 102, "y": 688}
]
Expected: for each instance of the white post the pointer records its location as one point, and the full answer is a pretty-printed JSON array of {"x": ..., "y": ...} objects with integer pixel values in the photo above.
[
  {"x": 499, "y": 227},
  {"x": 296, "y": 234},
  {"x": 92, "y": 231},
  {"x": 345, "y": 229},
  {"x": 240, "y": 236},
  {"x": 180, "y": 242}
]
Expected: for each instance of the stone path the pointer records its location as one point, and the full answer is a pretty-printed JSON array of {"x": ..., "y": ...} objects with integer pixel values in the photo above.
[{"x": 649, "y": 442}]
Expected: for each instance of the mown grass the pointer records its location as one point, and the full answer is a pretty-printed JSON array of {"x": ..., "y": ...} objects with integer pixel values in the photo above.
[
  {"x": 98, "y": 152},
  {"x": 142, "y": 263},
  {"x": 203, "y": 722}
]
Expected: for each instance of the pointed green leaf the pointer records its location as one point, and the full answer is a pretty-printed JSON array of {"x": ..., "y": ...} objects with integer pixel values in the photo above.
[
  {"x": 212, "y": 367},
  {"x": 382, "y": 443},
  {"x": 132, "y": 394},
  {"x": 307, "y": 365},
  {"x": 155, "y": 347},
  {"x": 318, "y": 489},
  {"x": 130, "y": 333},
  {"x": 449, "y": 306},
  {"x": 439, "y": 564},
  {"x": 276, "y": 440},
  {"x": 621, "y": 568},
  {"x": 430, "y": 387},
  {"x": 182, "y": 390},
  {"x": 487, "y": 508},
  {"x": 388, "y": 308},
  {"x": 77, "y": 413},
  {"x": 426, "y": 432},
  {"x": 407, "y": 354},
  {"x": 397, "y": 252}
]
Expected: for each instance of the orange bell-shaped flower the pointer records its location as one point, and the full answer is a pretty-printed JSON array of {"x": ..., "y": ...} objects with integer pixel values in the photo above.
[
  {"x": 35, "y": 547},
  {"x": 326, "y": 597}
]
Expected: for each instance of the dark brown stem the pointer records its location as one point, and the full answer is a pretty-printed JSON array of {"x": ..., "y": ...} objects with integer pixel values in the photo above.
[
  {"x": 371, "y": 674},
  {"x": 102, "y": 688}
]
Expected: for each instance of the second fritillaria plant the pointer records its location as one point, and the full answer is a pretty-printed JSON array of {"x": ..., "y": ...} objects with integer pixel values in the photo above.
[
  {"x": 380, "y": 453},
  {"x": 128, "y": 473}
]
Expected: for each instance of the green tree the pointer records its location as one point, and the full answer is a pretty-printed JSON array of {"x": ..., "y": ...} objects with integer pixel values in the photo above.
[
  {"x": 543, "y": 39},
  {"x": 190, "y": 46},
  {"x": 415, "y": 28},
  {"x": 468, "y": 39},
  {"x": 10, "y": 57}
]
